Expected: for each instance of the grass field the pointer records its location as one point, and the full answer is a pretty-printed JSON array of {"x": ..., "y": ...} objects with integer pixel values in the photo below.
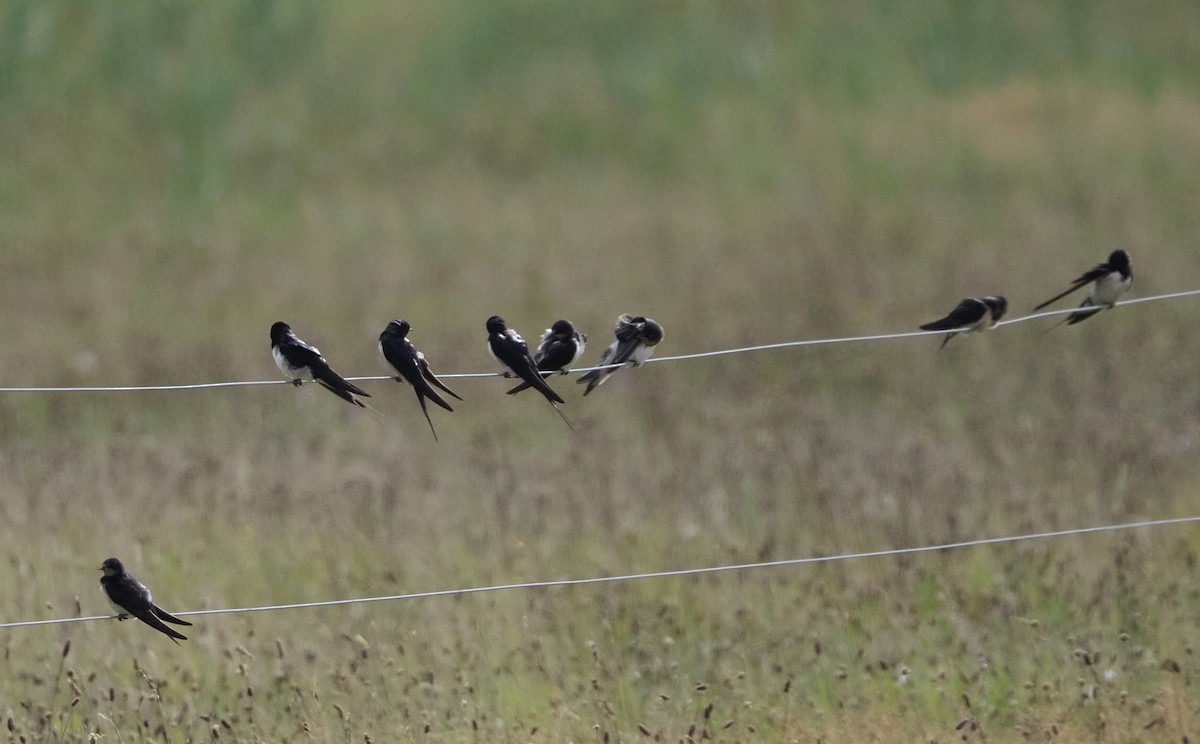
[{"x": 174, "y": 177}]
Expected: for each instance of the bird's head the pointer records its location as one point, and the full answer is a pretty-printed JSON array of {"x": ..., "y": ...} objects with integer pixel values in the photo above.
[
  {"x": 398, "y": 328},
  {"x": 496, "y": 324},
  {"x": 997, "y": 305},
  {"x": 1119, "y": 260},
  {"x": 652, "y": 333},
  {"x": 562, "y": 329},
  {"x": 112, "y": 567},
  {"x": 279, "y": 332}
]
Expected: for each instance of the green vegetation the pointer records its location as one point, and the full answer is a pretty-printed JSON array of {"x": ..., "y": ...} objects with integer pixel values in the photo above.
[{"x": 174, "y": 177}]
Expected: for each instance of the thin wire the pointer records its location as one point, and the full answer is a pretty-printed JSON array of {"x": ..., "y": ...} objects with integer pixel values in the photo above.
[
  {"x": 652, "y": 574},
  {"x": 682, "y": 357}
]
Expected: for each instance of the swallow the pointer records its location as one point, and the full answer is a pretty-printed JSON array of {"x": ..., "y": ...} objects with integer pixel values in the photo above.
[
  {"x": 1109, "y": 281},
  {"x": 971, "y": 315},
  {"x": 512, "y": 353},
  {"x": 400, "y": 353},
  {"x": 129, "y": 597},
  {"x": 636, "y": 338},
  {"x": 299, "y": 361},
  {"x": 560, "y": 348}
]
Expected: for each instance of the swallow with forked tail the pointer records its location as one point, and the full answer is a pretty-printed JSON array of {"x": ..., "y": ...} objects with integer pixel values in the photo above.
[
  {"x": 969, "y": 316},
  {"x": 129, "y": 597},
  {"x": 400, "y": 353},
  {"x": 512, "y": 353},
  {"x": 560, "y": 348},
  {"x": 1109, "y": 281},
  {"x": 299, "y": 361},
  {"x": 636, "y": 337}
]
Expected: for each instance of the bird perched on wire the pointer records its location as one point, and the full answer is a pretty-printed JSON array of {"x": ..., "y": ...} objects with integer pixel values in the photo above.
[
  {"x": 636, "y": 337},
  {"x": 129, "y": 597},
  {"x": 512, "y": 353},
  {"x": 969, "y": 316},
  {"x": 1109, "y": 281},
  {"x": 299, "y": 361},
  {"x": 400, "y": 353},
  {"x": 560, "y": 348}
]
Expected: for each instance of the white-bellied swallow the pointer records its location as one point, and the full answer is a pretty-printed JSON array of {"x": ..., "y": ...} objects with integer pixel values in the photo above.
[
  {"x": 512, "y": 353},
  {"x": 560, "y": 348},
  {"x": 129, "y": 597},
  {"x": 971, "y": 315},
  {"x": 400, "y": 353},
  {"x": 299, "y": 361},
  {"x": 1109, "y": 281},
  {"x": 636, "y": 338}
]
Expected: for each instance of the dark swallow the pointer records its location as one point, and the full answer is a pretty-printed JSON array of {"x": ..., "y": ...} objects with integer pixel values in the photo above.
[
  {"x": 560, "y": 348},
  {"x": 299, "y": 361},
  {"x": 512, "y": 353},
  {"x": 129, "y": 597},
  {"x": 1109, "y": 281},
  {"x": 971, "y": 315},
  {"x": 399, "y": 352},
  {"x": 636, "y": 338}
]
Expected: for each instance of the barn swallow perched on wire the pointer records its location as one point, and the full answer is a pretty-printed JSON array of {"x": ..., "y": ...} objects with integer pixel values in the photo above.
[
  {"x": 560, "y": 348},
  {"x": 636, "y": 338},
  {"x": 399, "y": 352},
  {"x": 971, "y": 315},
  {"x": 129, "y": 597},
  {"x": 299, "y": 361},
  {"x": 512, "y": 353},
  {"x": 1109, "y": 281}
]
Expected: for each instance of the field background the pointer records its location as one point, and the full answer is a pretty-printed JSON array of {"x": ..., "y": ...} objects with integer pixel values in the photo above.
[{"x": 174, "y": 177}]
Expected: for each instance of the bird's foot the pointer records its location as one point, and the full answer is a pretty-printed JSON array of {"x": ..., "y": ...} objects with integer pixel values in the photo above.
[
  {"x": 297, "y": 382},
  {"x": 123, "y": 616}
]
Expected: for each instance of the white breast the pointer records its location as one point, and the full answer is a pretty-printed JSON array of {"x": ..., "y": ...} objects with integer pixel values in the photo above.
[
  {"x": 290, "y": 372},
  {"x": 641, "y": 354},
  {"x": 1109, "y": 289}
]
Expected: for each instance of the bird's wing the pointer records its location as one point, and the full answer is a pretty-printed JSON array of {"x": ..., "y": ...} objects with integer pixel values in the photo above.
[
  {"x": 164, "y": 615},
  {"x": 149, "y": 618},
  {"x": 967, "y": 312},
  {"x": 423, "y": 388},
  {"x": 324, "y": 374},
  {"x": 1097, "y": 272},
  {"x": 432, "y": 379}
]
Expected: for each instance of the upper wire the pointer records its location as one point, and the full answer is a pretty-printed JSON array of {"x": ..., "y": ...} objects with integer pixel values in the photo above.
[{"x": 654, "y": 360}]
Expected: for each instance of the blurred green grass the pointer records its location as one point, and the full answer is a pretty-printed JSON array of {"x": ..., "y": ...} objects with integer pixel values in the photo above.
[{"x": 174, "y": 177}]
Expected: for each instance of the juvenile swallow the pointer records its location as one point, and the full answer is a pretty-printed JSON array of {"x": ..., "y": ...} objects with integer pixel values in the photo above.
[
  {"x": 299, "y": 361},
  {"x": 399, "y": 352},
  {"x": 636, "y": 338},
  {"x": 560, "y": 348},
  {"x": 1109, "y": 281},
  {"x": 512, "y": 353},
  {"x": 971, "y": 315},
  {"x": 129, "y": 597}
]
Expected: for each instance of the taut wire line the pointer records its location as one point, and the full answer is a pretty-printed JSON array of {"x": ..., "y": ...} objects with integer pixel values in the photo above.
[
  {"x": 653, "y": 574},
  {"x": 682, "y": 357}
]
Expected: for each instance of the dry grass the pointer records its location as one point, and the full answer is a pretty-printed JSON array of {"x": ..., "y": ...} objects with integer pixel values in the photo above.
[{"x": 173, "y": 180}]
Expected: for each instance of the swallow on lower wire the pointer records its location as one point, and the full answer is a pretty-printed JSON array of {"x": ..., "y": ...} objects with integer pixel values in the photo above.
[
  {"x": 299, "y": 361},
  {"x": 560, "y": 348},
  {"x": 129, "y": 597},
  {"x": 1109, "y": 281},
  {"x": 399, "y": 352},
  {"x": 636, "y": 337},
  {"x": 512, "y": 353},
  {"x": 971, "y": 315}
]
